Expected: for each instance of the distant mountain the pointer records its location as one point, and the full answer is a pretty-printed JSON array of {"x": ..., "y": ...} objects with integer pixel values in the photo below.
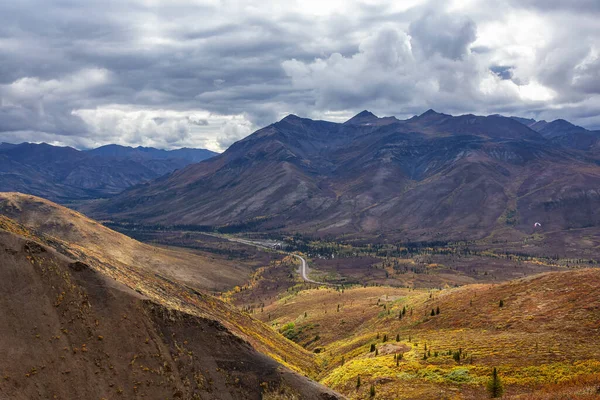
[
  {"x": 64, "y": 173},
  {"x": 434, "y": 176},
  {"x": 564, "y": 133},
  {"x": 150, "y": 153}
]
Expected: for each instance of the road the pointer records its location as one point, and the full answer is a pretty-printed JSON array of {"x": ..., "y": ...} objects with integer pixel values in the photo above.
[{"x": 302, "y": 270}]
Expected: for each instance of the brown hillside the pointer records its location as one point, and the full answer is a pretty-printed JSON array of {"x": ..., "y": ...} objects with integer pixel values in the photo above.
[
  {"x": 80, "y": 232},
  {"x": 160, "y": 289},
  {"x": 69, "y": 332}
]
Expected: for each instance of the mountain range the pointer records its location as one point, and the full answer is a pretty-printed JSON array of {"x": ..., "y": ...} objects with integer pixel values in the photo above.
[
  {"x": 433, "y": 176},
  {"x": 65, "y": 174}
]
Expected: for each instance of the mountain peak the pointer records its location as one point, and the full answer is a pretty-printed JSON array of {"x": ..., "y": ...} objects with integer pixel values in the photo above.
[
  {"x": 362, "y": 117},
  {"x": 429, "y": 112},
  {"x": 365, "y": 113},
  {"x": 291, "y": 117}
]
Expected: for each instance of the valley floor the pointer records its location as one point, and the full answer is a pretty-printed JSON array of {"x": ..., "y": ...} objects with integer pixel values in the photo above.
[{"x": 540, "y": 332}]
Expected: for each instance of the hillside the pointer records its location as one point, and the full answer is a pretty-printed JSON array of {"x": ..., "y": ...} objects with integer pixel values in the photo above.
[
  {"x": 544, "y": 333},
  {"x": 76, "y": 231},
  {"x": 65, "y": 174},
  {"x": 71, "y": 313},
  {"x": 63, "y": 323},
  {"x": 433, "y": 176}
]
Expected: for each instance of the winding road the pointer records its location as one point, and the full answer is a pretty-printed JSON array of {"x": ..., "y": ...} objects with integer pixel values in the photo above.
[{"x": 302, "y": 270}]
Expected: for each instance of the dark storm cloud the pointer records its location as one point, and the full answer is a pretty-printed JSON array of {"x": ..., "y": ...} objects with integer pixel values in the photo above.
[
  {"x": 449, "y": 36},
  {"x": 178, "y": 73}
]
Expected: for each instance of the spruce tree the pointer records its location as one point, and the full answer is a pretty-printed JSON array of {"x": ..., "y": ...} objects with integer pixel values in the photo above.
[
  {"x": 456, "y": 356},
  {"x": 432, "y": 312},
  {"x": 397, "y": 337},
  {"x": 437, "y": 311},
  {"x": 501, "y": 303},
  {"x": 358, "y": 382},
  {"x": 372, "y": 391},
  {"x": 494, "y": 385},
  {"x": 372, "y": 347}
]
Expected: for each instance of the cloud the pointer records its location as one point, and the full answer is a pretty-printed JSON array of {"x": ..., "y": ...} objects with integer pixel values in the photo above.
[
  {"x": 205, "y": 73},
  {"x": 232, "y": 131},
  {"x": 447, "y": 35},
  {"x": 560, "y": 5}
]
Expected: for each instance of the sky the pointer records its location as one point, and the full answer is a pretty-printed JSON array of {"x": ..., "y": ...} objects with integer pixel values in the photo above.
[{"x": 207, "y": 73}]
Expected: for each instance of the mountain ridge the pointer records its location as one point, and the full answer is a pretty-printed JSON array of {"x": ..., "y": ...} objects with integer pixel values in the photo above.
[
  {"x": 431, "y": 176},
  {"x": 66, "y": 174}
]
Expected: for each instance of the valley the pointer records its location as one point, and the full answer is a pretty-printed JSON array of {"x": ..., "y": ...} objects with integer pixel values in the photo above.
[
  {"x": 377, "y": 258},
  {"x": 541, "y": 337},
  {"x": 300, "y": 200}
]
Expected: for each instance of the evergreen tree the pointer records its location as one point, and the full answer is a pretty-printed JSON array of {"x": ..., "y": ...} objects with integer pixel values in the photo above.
[
  {"x": 358, "y": 382},
  {"x": 456, "y": 356},
  {"x": 397, "y": 337},
  {"x": 376, "y": 351},
  {"x": 372, "y": 391},
  {"x": 494, "y": 385},
  {"x": 385, "y": 338},
  {"x": 437, "y": 311},
  {"x": 501, "y": 303},
  {"x": 372, "y": 347},
  {"x": 432, "y": 312}
]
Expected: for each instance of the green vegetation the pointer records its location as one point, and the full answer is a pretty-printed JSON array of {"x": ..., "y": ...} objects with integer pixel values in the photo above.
[{"x": 494, "y": 386}]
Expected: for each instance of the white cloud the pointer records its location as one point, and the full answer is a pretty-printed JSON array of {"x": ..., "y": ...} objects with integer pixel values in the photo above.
[
  {"x": 161, "y": 128},
  {"x": 148, "y": 71}
]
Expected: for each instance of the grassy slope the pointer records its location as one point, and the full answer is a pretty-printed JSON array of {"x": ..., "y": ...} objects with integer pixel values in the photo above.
[{"x": 545, "y": 332}]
